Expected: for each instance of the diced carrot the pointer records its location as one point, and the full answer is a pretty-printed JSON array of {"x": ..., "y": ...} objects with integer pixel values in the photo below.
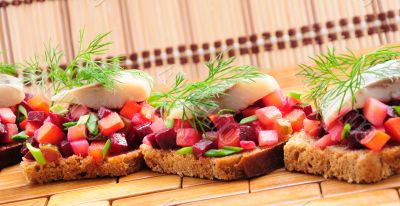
[
  {"x": 250, "y": 111},
  {"x": 31, "y": 127},
  {"x": 39, "y": 103},
  {"x": 110, "y": 124},
  {"x": 49, "y": 133},
  {"x": 375, "y": 140},
  {"x": 296, "y": 118},
  {"x": 392, "y": 127},
  {"x": 283, "y": 128},
  {"x": 77, "y": 132},
  {"x": 96, "y": 150},
  {"x": 148, "y": 112},
  {"x": 275, "y": 98},
  {"x": 130, "y": 108},
  {"x": 213, "y": 117},
  {"x": 23, "y": 124}
]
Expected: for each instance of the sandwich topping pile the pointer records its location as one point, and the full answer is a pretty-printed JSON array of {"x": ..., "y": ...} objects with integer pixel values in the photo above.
[
  {"x": 358, "y": 100},
  {"x": 235, "y": 109}
]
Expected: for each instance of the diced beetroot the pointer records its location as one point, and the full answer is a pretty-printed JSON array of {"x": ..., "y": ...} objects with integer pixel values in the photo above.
[
  {"x": 356, "y": 120},
  {"x": 178, "y": 124},
  {"x": 3, "y": 130},
  {"x": 275, "y": 98},
  {"x": 142, "y": 130},
  {"x": 80, "y": 147},
  {"x": 229, "y": 137},
  {"x": 50, "y": 152},
  {"x": 28, "y": 156},
  {"x": 31, "y": 127},
  {"x": 187, "y": 137},
  {"x": 77, "y": 111},
  {"x": 118, "y": 144},
  {"x": 49, "y": 133},
  {"x": 130, "y": 108},
  {"x": 268, "y": 116},
  {"x": 56, "y": 119},
  {"x": 324, "y": 141},
  {"x": 250, "y": 111},
  {"x": 103, "y": 112},
  {"x": 211, "y": 135},
  {"x": 375, "y": 111},
  {"x": 36, "y": 116},
  {"x": 314, "y": 116},
  {"x": 138, "y": 119},
  {"x": 248, "y": 133},
  {"x": 7, "y": 116},
  {"x": 202, "y": 147},
  {"x": 354, "y": 138},
  {"x": 66, "y": 149},
  {"x": 257, "y": 125},
  {"x": 150, "y": 140},
  {"x": 12, "y": 130},
  {"x": 307, "y": 109},
  {"x": 289, "y": 104},
  {"x": 312, "y": 127},
  {"x": 166, "y": 138},
  {"x": 296, "y": 118},
  {"x": 77, "y": 132},
  {"x": 22, "y": 124},
  {"x": 224, "y": 122},
  {"x": 336, "y": 131},
  {"x": 247, "y": 145},
  {"x": 157, "y": 125},
  {"x": 267, "y": 138}
]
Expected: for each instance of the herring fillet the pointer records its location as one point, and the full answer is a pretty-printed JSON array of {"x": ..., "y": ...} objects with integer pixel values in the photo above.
[
  {"x": 11, "y": 90},
  {"x": 244, "y": 94},
  {"x": 382, "y": 87},
  {"x": 126, "y": 86}
]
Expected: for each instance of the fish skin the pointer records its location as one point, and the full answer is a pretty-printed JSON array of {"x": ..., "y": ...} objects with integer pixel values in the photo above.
[
  {"x": 383, "y": 88},
  {"x": 126, "y": 86},
  {"x": 11, "y": 89}
]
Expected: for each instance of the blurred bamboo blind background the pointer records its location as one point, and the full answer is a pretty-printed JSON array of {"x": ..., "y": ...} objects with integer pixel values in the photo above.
[{"x": 178, "y": 35}]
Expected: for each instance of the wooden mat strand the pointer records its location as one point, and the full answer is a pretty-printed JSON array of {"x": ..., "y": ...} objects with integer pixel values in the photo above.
[{"x": 170, "y": 36}]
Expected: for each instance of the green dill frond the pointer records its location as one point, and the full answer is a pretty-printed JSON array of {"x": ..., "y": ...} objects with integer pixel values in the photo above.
[
  {"x": 8, "y": 69},
  {"x": 197, "y": 100},
  {"x": 338, "y": 75}
]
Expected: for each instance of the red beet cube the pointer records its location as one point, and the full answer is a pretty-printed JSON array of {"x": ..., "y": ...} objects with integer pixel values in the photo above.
[
  {"x": 229, "y": 137},
  {"x": 119, "y": 144},
  {"x": 36, "y": 116},
  {"x": 103, "y": 112},
  {"x": 224, "y": 122},
  {"x": 142, "y": 130},
  {"x": 202, "y": 147},
  {"x": 3, "y": 130},
  {"x": 166, "y": 138},
  {"x": 248, "y": 145},
  {"x": 77, "y": 111},
  {"x": 248, "y": 133},
  {"x": 56, "y": 119},
  {"x": 150, "y": 140},
  {"x": 138, "y": 119},
  {"x": 65, "y": 148}
]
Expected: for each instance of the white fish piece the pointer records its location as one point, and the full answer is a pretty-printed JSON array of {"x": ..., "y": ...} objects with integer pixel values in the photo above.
[
  {"x": 11, "y": 90},
  {"x": 244, "y": 94},
  {"x": 382, "y": 87},
  {"x": 127, "y": 85},
  {"x": 239, "y": 96}
]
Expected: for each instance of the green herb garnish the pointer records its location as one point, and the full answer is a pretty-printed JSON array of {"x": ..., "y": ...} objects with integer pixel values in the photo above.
[
  {"x": 397, "y": 109},
  {"x": 91, "y": 124},
  {"x": 106, "y": 148},
  {"x": 295, "y": 95},
  {"x": 20, "y": 137},
  {"x": 69, "y": 124},
  {"x": 9, "y": 69},
  {"x": 36, "y": 153},
  {"x": 169, "y": 123},
  {"x": 235, "y": 149},
  {"x": 82, "y": 70},
  {"x": 197, "y": 100},
  {"x": 226, "y": 111},
  {"x": 185, "y": 150},
  {"x": 336, "y": 76},
  {"x": 83, "y": 119},
  {"x": 21, "y": 110},
  {"x": 219, "y": 152},
  {"x": 346, "y": 131},
  {"x": 58, "y": 109},
  {"x": 249, "y": 119}
]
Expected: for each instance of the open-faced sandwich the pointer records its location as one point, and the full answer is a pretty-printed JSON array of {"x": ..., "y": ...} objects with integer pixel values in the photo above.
[
  {"x": 355, "y": 135},
  {"x": 12, "y": 95},
  {"x": 231, "y": 125},
  {"x": 87, "y": 132}
]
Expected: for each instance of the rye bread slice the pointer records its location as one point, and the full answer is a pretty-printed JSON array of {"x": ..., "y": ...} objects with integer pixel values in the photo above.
[
  {"x": 254, "y": 163},
  {"x": 10, "y": 154},
  {"x": 353, "y": 166},
  {"x": 76, "y": 167}
]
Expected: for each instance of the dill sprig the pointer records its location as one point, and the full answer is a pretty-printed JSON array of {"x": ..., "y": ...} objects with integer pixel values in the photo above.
[
  {"x": 334, "y": 76},
  {"x": 9, "y": 69},
  {"x": 80, "y": 71},
  {"x": 198, "y": 99}
]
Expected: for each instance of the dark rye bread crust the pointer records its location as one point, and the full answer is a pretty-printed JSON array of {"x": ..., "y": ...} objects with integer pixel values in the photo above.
[
  {"x": 353, "y": 166},
  {"x": 10, "y": 154},
  {"x": 244, "y": 165},
  {"x": 76, "y": 167}
]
